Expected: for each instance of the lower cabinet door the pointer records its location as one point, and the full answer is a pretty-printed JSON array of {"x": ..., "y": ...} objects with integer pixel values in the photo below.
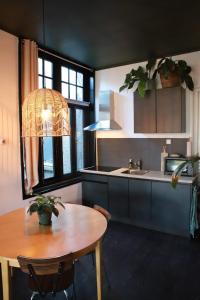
[
  {"x": 140, "y": 202},
  {"x": 118, "y": 197},
  {"x": 95, "y": 193},
  {"x": 171, "y": 208}
]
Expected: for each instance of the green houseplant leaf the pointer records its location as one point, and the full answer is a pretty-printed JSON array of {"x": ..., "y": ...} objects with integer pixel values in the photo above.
[
  {"x": 176, "y": 174},
  {"x": 140, "y": 76},
  {"x": 32, "y": 208},
  {"x": 141, "y": 88}
]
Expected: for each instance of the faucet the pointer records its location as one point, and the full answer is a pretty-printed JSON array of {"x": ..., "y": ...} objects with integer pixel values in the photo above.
[
  {"x": 132, "y": 165},
  {"x": 139, "y": 164}
]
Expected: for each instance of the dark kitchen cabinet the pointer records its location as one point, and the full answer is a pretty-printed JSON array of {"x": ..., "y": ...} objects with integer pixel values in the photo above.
[
  {"x": 118, "y": 197},
  {"x": 95, "y": 190},
  {"x": 140, "y": 202},
  {"x": 171, "y": 208},
  {"x": 145, "y": 113},
  {"x": 171, "y": 110},
  {"x": 160, "y": 111}
]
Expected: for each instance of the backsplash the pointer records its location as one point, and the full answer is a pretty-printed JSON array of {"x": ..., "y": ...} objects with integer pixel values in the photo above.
[{"x": 116, "y": 152}]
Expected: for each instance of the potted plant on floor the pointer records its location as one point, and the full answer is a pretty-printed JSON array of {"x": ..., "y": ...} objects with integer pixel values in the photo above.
[
  {"x": 45, "y": 206},
  {"x": 141, "y": 78},
  {"x": 174, "y": 73}
]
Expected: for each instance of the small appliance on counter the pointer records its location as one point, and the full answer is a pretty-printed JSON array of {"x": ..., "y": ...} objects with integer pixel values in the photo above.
[
  {"x": 163, "y": 155},
  {"x": 171, "y": 163}
]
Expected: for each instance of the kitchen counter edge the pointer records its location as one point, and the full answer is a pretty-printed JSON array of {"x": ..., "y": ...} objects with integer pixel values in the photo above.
[{"x": 150, "y": 175}]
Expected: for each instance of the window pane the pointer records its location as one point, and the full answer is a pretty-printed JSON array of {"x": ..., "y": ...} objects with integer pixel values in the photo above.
[
  {"x": 91, "y": 88},
  {"x": 72, "y": 76},
  {"x": 48, "y": 68},
  {"x": 40, "y": 82},
  {"x": 65, "y": 90},
  {"x": 72, "y": 92},
  {"x": 40, "y": 70},
  {"x": 48, "y": 83},
  {"x": 80, "y": 79},
  {"x": 66, "y": 144},
  {"x": 48, "y": 163},
  {"x": 79, "y": 94},
  {"x": 64, "y": 74},
  {"x": 79, "y": 139}
]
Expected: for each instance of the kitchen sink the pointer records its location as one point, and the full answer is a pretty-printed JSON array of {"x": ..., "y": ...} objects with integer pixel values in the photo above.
[{"x": 135, "y": 172}]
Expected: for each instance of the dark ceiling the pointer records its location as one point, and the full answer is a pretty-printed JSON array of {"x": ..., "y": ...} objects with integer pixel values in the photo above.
[{"x": 102, "y": 33}]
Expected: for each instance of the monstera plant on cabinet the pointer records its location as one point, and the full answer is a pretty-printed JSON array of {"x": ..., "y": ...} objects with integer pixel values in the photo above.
[
  {"x": 141, "y": 79},
  {"x": 172, "y": 73}
]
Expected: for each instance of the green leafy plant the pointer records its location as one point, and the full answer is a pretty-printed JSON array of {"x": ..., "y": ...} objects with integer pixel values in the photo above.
[
  {"x": 167, "y": 66},
  {"x": 176, "y": 174},
  {"x": 142, "y": 77},
  {"x": 45, "y": 205}
]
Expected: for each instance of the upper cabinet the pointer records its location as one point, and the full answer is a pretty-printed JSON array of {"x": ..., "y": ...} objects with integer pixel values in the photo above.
[
  {"x": 145, "y": 113},
  {"x": 160, "y": 111}
]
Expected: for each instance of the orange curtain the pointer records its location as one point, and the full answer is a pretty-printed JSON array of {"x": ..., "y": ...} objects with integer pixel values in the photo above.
[{"x": 30, "y": 83}]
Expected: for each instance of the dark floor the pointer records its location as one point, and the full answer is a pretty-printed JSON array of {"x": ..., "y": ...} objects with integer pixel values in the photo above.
[{"x": 142, "y": 265}]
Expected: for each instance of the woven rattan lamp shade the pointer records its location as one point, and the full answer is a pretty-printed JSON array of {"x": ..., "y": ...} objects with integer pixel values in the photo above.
[{"x": 45, "y": 113}]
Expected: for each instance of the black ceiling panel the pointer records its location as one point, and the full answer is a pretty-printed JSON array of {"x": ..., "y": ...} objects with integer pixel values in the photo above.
[{"x": 108, "y": 33}]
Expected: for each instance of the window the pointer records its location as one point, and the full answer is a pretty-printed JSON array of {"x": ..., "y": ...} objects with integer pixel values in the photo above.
[
  {"x": 61, "y": 158},
  {"x": 45, "y": 76}
]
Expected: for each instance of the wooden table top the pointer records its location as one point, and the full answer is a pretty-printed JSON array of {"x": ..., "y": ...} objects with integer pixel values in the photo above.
[{"x": 77, "y": 228}]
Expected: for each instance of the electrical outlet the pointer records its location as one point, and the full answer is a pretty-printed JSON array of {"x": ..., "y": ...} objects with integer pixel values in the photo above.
[{"x": 168, "y": 141}]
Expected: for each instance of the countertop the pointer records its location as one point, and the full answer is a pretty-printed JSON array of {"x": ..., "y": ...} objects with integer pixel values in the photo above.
[{"x": 150, "y": 175}]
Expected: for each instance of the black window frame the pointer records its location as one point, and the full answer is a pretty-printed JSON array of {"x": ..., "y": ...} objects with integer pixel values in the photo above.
[{"x": 87, "y": 105}]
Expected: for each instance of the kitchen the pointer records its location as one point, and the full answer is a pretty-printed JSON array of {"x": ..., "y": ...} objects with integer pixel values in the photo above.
[{"x": 143, "y": 269}]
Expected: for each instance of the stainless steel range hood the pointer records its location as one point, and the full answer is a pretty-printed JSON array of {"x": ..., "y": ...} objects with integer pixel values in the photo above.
[{"x": 104, "y": 113}]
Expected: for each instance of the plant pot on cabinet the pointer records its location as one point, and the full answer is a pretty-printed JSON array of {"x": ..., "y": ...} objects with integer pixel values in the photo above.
[
  {"x": 45, "y": 218},
  {"x": 173, "y": 79}
]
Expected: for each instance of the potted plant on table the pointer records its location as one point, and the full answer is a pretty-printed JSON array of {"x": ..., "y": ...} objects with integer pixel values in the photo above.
[
  {"x": 140, "y": 78},
  {"x": 45, "y": 206},
  {"x": 174, "y": 73}
]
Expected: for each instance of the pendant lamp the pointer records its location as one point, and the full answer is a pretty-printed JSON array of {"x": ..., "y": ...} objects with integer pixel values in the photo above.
[{"x": 45, "y": 111}]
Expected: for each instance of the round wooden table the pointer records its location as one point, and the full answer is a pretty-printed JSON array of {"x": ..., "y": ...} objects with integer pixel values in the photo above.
[{"x": 78, "y": 230}]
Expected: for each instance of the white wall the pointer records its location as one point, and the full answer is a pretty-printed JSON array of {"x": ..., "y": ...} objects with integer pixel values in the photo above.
[
  {"x": 113, "y": 78},
  {"x": 10, "y": 169},
  {"x": 10, "y": 182}
]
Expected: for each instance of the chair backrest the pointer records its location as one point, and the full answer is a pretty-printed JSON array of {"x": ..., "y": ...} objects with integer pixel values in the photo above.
[
  {"x": 48, "y": 275},
  {"x": 103, "y": 211}
]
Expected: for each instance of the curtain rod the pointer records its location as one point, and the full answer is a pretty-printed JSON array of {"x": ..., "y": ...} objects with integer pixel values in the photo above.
[{"x": 60, "y": 57}]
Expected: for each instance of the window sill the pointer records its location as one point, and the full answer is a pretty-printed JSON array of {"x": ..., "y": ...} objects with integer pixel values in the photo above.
[{"x": 53, "y": 186}]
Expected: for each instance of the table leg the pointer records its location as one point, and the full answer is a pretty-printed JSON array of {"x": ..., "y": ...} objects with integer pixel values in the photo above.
[
  {"x": 5, "y": 279},
  {"x": 98, "y": 270}
]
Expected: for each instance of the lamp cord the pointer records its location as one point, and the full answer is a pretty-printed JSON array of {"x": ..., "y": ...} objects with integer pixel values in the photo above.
[
  {"x": 43, "y": 23},
  {"x": 44, "y": 33}
]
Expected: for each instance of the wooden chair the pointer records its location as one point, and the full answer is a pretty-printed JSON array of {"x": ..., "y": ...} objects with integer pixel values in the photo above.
[
  {"x": 107, "y": 215},
  {"x": 103, "y": 211},
  {"x": 50, "y": 275}
]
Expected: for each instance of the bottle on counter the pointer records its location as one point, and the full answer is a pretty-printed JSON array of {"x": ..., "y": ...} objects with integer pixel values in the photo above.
[{"x": 162, "y": 156}]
